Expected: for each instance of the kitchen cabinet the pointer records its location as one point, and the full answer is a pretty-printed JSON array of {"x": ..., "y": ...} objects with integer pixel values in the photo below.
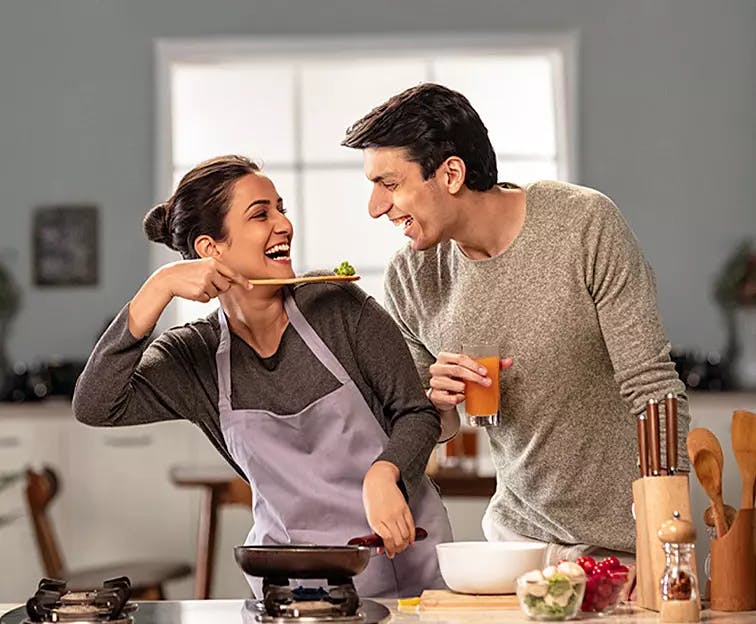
[
  {"x": 116, "y": 494},
  {"x": 23, "y": 439},
  {"x": 117, "y": 502}
]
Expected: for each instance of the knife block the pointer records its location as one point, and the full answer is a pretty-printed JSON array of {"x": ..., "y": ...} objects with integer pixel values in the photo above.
[
  {"x": 733, "y": 566},
  {"x": 656, "y": 499}
]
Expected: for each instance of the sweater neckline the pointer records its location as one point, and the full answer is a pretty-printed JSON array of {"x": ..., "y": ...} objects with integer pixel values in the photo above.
[{"x": 516, "y": 241}]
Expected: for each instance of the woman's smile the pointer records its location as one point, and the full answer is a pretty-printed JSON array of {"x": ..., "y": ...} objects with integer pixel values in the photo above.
[{"x": 280, "y": 253}]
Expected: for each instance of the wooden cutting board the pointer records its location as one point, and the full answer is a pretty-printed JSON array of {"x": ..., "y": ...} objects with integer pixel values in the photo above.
[{"x": 438, "y": 599}]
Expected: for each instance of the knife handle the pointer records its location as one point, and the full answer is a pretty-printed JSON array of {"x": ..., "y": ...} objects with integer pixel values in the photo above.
[
  {"x": 670, "y": 415},
  {"x": 643, "y": 444},
  {"x": 652, "y": 412},
  {"x": 376, "y": 541}
]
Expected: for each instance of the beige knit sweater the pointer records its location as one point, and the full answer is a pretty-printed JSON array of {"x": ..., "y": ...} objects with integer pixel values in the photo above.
[{"x": 573, "y": 302}]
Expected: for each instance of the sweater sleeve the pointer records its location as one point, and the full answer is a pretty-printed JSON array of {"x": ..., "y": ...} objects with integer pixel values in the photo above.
[
  {"x": 624, "y": 291},
  {"x": 387, "y": 366},
  {"x": 422, "y": 357},
  {"x": 131, "y": 381}
]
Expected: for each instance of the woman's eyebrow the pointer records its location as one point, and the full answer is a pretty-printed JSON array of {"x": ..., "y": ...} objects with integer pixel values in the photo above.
[{"x": 266, "y": 202}]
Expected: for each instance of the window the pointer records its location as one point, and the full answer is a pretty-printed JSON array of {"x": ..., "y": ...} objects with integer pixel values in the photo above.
[{"x": 288, "y": 105}]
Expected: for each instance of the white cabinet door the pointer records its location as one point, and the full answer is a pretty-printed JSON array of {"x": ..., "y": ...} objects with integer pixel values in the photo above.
[
  {"x": 24, "y": 440},
  {"x": 118, "y": 501}
]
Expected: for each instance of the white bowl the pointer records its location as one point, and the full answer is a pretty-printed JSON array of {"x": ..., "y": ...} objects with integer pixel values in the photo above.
[{"x": 487, "y": 567}]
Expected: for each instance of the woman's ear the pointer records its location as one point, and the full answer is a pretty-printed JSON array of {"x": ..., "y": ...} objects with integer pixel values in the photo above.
[
  {"x": 205, "y": 247},
  {"x": 453, "y": 171}
]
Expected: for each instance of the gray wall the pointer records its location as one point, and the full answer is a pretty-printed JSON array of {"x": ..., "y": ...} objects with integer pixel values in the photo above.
[{"x": 667, "y": 127}]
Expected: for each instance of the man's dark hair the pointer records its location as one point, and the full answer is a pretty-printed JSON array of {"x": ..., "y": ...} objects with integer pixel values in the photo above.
[{"x": 432, "y": 123}]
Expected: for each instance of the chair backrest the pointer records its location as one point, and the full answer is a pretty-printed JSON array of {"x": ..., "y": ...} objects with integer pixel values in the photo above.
[
  {"x": 41, "y": 488},
  {"x": 237, "y": 492}
]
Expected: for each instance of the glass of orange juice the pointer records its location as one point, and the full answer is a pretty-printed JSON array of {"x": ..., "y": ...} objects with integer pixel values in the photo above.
[{"x": 482, "y": 402}]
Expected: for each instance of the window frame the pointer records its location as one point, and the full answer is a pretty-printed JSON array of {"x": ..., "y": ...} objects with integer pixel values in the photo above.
[{"x": 561, "y": 47}]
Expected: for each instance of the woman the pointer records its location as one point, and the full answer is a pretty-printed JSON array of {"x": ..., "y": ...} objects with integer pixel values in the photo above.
[{"x": 309, "y": 392}]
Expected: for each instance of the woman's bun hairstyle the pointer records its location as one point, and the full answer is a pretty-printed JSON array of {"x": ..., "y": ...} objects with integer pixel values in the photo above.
[
  {"x": 198, "y": 206},
  {"x": 156, "y": 224}
]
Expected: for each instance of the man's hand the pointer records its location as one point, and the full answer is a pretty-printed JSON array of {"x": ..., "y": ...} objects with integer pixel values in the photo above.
[
  {"x": 448, "y": 376},
  {"x": 385, "y": 508}
]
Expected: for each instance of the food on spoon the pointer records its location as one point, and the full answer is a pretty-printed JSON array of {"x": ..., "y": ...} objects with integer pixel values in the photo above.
[
  {"x": 344, "y": 269},
  {"x": 552, "y": 594}
]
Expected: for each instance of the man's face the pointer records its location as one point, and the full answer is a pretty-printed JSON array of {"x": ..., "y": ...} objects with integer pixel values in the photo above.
[{"x": 419, "y": 207}]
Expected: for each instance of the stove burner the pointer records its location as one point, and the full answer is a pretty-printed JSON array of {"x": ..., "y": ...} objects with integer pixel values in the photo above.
[
  {"x": 282, "y": 603},
  {"x": 52, "y": 603},
  {"x": 369, "y": 612}
]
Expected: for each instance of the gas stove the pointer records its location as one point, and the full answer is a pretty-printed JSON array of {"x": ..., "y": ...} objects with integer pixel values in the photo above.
[{"x": 110, "y": 604}]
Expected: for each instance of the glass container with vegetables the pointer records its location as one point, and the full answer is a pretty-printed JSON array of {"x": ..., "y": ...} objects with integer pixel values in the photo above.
[{"x": 552, "y": 594}]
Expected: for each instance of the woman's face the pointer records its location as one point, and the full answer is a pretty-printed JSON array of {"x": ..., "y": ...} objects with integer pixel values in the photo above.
[{"x": 259, "y": 234}]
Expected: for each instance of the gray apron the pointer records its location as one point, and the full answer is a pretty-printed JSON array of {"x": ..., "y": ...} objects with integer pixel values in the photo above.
[{"x": 306, "y": 472}]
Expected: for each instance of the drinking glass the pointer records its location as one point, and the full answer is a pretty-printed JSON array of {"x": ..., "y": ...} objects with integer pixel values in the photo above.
[{"x": 482, "y": 402}]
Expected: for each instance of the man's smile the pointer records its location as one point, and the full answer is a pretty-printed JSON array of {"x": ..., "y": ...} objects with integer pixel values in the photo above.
[{"x": 404, "y": 220}]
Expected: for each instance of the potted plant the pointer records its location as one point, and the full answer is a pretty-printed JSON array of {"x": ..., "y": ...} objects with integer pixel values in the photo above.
[{"x": 735, "y": 292}]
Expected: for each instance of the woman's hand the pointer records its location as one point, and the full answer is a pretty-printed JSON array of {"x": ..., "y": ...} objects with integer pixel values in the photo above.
[
  {"x": 385, "y": 508},
  {"x": 197, "y": 280},
  {"x": 448, "y": 376}
]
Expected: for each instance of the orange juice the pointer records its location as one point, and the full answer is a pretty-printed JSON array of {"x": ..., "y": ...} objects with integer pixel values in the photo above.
[{"x": 482, "y": 400}]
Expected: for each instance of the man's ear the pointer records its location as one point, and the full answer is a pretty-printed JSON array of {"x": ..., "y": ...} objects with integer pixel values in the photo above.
[
  {"x": 205, "y": 247},
  {"x": 453, "y": 173}
]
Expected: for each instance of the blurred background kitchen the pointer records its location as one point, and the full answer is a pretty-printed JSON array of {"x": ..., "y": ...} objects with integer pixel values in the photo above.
[{"x": 104, "y": 104}]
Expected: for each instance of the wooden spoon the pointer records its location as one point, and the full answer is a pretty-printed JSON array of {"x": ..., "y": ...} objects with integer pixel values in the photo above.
[
  {"x": 709, "y": 515},
  {"x": 744, "y": 446},
  {"x": 303, "y": 280},
  {"x": 705, "y": 454}
]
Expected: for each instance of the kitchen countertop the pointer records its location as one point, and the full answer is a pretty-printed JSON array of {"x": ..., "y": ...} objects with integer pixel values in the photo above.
[{"x": 222, "y": 611}]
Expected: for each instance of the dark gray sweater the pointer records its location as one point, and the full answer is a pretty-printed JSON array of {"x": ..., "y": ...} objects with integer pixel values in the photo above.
[{"x": 129, "y": 381}]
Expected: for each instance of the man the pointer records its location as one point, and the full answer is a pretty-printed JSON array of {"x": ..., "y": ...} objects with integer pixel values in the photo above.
[{"x": 552, "y": 273}]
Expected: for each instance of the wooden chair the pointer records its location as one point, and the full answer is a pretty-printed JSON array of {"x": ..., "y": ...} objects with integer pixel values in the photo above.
[
  {"x": 221, "y": 486},
  {"x": 147, "y": 577}
]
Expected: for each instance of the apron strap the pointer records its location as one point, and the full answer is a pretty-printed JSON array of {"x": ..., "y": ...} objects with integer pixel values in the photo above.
[
  {"x": 304, "y": 329},
  {"x": 312, "y": 340},
  {"x": 223, "y": 363}
]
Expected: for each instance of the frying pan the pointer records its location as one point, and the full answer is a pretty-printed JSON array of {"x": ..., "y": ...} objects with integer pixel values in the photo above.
[{"x": 307, "y": 561}]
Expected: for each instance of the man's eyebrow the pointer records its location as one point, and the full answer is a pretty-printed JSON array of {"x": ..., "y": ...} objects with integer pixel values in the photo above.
[{"x": 382, "y": 177}]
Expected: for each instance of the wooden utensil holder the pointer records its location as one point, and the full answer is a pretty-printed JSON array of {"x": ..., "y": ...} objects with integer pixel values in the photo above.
[
  {"x": 733, "y": 566},
  {"x": 656, "y": 499}
]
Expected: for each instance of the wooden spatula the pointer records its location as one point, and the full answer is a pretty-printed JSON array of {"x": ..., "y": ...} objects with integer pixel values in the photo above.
[
  {"x": 303, "y": 280},
  {"x": 705, "y": 454},
  {"x": 744, "y": 446}
]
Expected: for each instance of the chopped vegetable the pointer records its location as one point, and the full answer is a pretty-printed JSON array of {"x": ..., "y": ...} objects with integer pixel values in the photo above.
[
  {"x": 344, "y": 269},
  {"x": 553, "y": 594},
  {"x": 409, "y": 602}
]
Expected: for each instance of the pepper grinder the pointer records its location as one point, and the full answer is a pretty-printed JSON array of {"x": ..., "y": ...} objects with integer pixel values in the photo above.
[{"x": 679, "y": 586}]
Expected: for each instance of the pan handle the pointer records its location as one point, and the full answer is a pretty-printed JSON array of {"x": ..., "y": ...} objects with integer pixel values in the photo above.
[{"x": 376, "y": 541}]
